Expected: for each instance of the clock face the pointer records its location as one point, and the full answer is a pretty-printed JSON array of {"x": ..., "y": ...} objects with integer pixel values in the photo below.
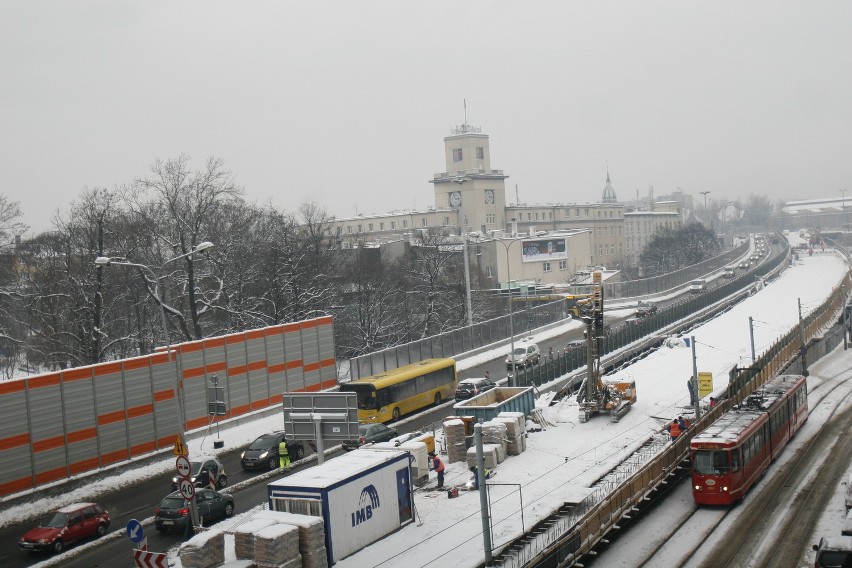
[
  {"x": 489, "y": 196},
  {"x": 455, "y": 198}
]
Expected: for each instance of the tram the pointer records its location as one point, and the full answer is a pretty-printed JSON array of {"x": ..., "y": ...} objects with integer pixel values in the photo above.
[{"x": 730, "y": 455}]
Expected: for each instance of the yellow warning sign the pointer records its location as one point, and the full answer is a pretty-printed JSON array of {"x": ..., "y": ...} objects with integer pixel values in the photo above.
[
  {"x": 705, "y": 383},
  {"x": 180, "y": 448}
]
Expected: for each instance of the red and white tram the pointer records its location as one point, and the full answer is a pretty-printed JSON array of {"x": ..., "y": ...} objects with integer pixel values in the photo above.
[{"x": 732, "y": 453}]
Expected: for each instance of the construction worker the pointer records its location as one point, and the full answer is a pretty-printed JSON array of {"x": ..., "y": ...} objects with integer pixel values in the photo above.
[
  {"x": 438, "y": 466},
  {"x": 683, "y": 423},
  {"x": 674, "y": 430},
  {"x": 283, "y": 456}
]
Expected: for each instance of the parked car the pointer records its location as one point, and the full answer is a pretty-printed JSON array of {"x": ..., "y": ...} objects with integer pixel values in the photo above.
[
  {"x": 469, "y": 388},
  {"x": 645, "y": 308},
  {"x": 215, "y": 470},
  {"x": 697, "y": 286},
  {"x": 369, "y": 433},
  {"x": 524, "y": 355},
  {"x": 263, "y": 452},
  {"x": 173, "y": 512},
  {"x": 833, "y": 551},
  {"x": 65, "y": 526},
  {"x": 576, "y": 344}
]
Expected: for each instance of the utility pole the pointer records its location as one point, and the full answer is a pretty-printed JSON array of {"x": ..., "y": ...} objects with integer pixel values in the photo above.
[
  {"x": 706, "y": 212},
  {"x": 694, "y": 378},
  {"x": 483, "y": 493},
  {"x": 751, "y": 335},
  {"x": 803, "y": 351}
]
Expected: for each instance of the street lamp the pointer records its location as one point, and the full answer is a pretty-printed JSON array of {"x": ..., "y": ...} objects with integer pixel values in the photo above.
[
  {"x": 709, "y": 218},
  {"x": 514, "y": 377},
  {"x": 845, "y": 214},
  {"x": 178, "y": 388}
]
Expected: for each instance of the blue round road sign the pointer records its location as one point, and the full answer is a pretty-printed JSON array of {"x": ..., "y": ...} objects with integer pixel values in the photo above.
[{"x": 134, "y": 530}]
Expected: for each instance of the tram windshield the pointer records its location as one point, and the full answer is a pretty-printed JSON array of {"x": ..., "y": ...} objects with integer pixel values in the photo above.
[{"x": 709, "y": 462}]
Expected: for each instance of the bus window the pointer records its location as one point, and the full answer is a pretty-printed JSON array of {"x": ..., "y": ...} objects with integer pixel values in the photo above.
[{"x": 384, "y": 397}]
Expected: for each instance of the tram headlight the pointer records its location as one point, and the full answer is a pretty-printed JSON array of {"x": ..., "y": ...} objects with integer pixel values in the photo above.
[
  {"x": 725, "y": 489},
  {"x": 698, "y": 488}
]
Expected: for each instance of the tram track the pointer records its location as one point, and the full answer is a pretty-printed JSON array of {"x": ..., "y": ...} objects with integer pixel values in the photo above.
[{"x": 774, "y": 526}]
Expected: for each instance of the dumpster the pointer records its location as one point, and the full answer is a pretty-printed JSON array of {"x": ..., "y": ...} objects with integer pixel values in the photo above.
[{"x": 489, "y": 404}]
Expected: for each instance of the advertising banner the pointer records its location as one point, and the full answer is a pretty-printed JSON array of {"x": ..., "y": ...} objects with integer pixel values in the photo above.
[{"x": 539, "y": 250}]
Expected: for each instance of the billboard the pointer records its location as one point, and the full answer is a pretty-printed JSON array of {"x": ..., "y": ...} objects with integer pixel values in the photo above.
[{"x": 538, "y": 250}]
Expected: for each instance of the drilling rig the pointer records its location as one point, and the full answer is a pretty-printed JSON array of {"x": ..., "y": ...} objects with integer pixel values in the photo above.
[{"x": 595, "y": 394}]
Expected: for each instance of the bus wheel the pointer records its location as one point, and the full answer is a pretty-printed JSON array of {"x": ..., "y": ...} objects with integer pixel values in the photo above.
[
  {"x": 395, "y": 414},
  {"x": 437, "y": 398}
]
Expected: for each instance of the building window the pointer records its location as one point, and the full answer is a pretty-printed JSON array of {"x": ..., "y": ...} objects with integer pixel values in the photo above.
[
  {"x": 490, "y": 218},
  {"x": 488, "y": 272},
  {"x": 457, "y": 154},
  {"x": 587, "y": 212},
  {"x": 424, "y": 222},
  {"x": 393, "y": 225},
  {"x": 446, "y": 221},
  {"x": 349, "y": 229},
  {"x": 563, "y": 265},
  {"x": 545, "y": 266},
  {"x": 381, "y": 226},
  {"x": 370, "y": 225},
  {"x": 576, "y": 212},
  {"x": 359, "y": 229},
  {"x": 405, "y": 223},
  {"x": 480, "y": 153}
]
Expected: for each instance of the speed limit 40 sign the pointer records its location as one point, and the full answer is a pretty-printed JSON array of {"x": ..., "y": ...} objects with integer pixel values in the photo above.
[{"x": 187, "y": 489}]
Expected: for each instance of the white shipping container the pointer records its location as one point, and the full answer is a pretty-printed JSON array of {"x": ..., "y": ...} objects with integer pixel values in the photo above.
[
  {"x": 419, "y": 457},
  {"x": 362, "y": 497}
]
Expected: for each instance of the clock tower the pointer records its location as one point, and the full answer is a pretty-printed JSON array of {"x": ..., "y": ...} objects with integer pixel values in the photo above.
[{"x": 469, "y": 186}]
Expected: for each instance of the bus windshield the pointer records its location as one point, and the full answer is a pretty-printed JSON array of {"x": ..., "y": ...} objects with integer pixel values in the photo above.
[
  {"x": 710, "y": 463},
  {"x": 366, "y": 395}
]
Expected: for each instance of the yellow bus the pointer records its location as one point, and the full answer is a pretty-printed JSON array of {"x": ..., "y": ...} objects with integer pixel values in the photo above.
[{"x": 387, "y": 396}]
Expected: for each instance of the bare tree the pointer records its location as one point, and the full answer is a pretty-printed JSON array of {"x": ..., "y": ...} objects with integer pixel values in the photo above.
[{"x": 179, "y": 206}]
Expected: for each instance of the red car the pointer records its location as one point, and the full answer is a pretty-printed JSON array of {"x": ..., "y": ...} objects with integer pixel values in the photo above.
[{"x": 65, "y": 526}]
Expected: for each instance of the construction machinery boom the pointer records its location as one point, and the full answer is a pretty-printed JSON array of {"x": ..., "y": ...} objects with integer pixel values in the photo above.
[{"x": 596, "y": 395}]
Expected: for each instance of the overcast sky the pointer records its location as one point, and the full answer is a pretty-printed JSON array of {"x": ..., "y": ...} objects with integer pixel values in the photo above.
[{"x": 347, "y": 103}]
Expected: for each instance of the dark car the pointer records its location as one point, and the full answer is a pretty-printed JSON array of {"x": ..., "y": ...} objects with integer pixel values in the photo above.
[
  {"x": 469, "y": 388},
  {"x": 645, "y": 308},
  {"x": 263, "y": 452},
  {"x": 173, "y": 512},
  {"x": 65, "y": 526},
  {"x": 576, "y": 344},
  {"x": 215, "y": 470},
  {"x": 369, "y": 433}
]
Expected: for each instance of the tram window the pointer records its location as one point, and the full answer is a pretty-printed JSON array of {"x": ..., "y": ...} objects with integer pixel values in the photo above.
[
  {"x": 703, "y": 462},
  {"x": 735, "y": 460},
  {"x": 720, "y": 462}
]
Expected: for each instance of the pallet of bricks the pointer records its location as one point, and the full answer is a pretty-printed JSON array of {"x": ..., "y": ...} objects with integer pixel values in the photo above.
[
  {"x": 277, "y": 546},
  {"x": 515, "y": 431},
  {"x": 311, "y": 536},
  {"x": 204, "y": 550}
]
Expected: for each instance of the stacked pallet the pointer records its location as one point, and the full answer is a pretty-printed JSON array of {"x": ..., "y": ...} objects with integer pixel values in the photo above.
[
  {"x": 456, "y": 440},
  {"x": 204, "y": 550},
  {"x": 494, "y": 432},
  {"x": 277, "y": 546},
  {"x": 311, "y": 536},
  {"x": 489, "y": 454},
  {"x": 244, "y": 537},
  {"x": 515, "y": 432},
  {"x": 239, "y": 564}
]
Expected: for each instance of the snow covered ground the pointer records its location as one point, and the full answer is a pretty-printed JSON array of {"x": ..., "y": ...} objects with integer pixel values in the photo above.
[{"x": 561, "y": 463}]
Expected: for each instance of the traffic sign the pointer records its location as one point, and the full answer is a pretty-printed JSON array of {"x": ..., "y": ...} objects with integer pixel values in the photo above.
[
  {"x": 134, "y": 531},
  {"x": 182, "y": 466},
  {"x": 187, "y": 489},
  {"x": 180, "y": 448},
  {"x": 146, "y": 559}
]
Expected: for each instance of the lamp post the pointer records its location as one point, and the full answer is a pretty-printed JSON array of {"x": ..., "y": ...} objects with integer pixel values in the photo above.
[
  {"x": 706, "y": 212},
  {"x": 513, "y": 378},
  {"x": 460, "y": 180},
  {"x": 845, "y": 214},
  {"x": 178, "y": 389}
]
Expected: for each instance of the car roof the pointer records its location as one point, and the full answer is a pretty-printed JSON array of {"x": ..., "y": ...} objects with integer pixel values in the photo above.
[
  {"x": 472, "y": 380},
  {"x": 74, "y": 507}
]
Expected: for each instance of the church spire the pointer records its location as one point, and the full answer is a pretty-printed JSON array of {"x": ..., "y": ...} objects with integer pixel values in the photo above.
[{"x": 608, "y": 192}]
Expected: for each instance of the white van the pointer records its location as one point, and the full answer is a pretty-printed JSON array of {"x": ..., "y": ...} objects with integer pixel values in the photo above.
[{"x": 729, "y": 272}]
